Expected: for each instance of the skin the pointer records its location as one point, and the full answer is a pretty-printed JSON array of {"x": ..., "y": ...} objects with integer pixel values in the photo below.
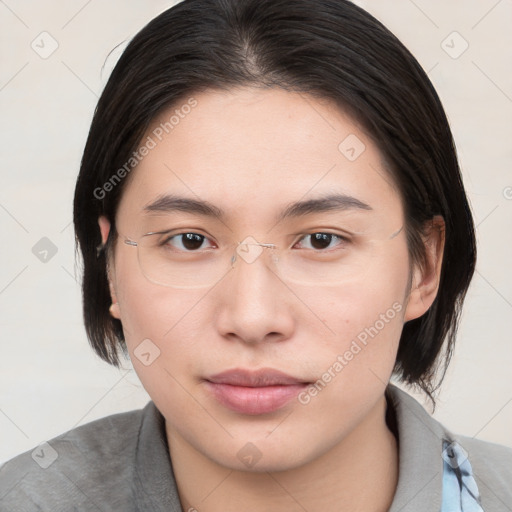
[{"x": 252, "y": 152}]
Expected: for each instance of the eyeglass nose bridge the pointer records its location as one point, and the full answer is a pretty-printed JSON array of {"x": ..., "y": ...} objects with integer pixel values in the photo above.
[{"x": 250, "y": 250}]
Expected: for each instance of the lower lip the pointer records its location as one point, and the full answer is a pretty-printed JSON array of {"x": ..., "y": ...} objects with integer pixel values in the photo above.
[{"x": 260, "y": 400}]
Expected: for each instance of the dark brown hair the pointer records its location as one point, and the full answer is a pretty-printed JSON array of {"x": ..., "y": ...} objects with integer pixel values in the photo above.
[{"x": 326, "y": 48}]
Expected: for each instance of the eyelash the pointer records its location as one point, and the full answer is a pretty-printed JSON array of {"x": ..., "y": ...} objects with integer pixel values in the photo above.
[{"x": 342, "y": 240}]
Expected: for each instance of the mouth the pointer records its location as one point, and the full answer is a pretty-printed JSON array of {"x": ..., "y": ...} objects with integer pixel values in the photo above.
[{"x": 254, "y": 392}]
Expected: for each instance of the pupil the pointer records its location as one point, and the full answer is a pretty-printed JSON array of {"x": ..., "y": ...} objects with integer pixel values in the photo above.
[
  {"x": 192, "y": 240},
  {"x": 321, "y": 240}
]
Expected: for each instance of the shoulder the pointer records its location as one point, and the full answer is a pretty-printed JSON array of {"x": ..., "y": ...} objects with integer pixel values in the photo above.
[
  {"x": 492, "y": 456},
  {"x": 427, "y": 443},
  {"x": 80, "y": 467},
  {"x": 492, "y": 467}
]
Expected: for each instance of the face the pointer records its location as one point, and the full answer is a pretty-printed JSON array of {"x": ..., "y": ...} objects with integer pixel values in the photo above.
[{"x": 212, "y": 357}]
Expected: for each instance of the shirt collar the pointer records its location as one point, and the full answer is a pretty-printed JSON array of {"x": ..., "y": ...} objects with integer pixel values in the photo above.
[
  {"x": 155, "y": 485},
  {"x": 420, "y": 455}
]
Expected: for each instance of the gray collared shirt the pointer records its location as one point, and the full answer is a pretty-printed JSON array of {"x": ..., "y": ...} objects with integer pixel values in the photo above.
[{"x": 121, "y": 463}]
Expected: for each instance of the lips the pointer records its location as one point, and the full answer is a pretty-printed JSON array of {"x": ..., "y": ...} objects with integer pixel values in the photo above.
[{"x": 254, "y": 392}]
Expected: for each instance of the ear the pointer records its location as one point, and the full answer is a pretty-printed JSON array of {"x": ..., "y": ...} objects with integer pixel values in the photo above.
[
  {"x": 104, "y": 225},
  {"x": 425, "y": 281}
]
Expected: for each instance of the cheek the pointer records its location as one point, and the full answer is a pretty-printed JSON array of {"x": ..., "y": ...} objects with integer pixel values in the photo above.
[
  {"x": 163, "y": 340},
  {"x": 148, "y": 310},
  {"x": 353, "y": 363},
  {"x": 158, "y": 321},
  {"x": 162, "y": 314},
  {"x": 363, "y": 336},
  {"x": 362, "y": 318}
]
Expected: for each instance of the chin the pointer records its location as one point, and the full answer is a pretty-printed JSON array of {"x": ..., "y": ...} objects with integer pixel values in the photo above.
[
  {"x": 261, "y": 457},
  {"x": 275, "y": 464}
]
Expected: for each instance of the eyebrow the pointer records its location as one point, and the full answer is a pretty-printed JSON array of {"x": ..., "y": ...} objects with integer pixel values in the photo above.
[
  {"x": 171, "y": 203},
  {"x": 331, "y": 202}
]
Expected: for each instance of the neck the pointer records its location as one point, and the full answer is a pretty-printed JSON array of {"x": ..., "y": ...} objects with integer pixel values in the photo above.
[{"x": 359, "y": 473}]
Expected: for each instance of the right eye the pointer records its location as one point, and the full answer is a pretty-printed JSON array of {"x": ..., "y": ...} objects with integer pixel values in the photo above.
[{"x": 187, "y": 242}]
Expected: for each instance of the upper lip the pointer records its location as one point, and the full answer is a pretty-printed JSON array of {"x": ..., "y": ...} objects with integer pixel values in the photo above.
[{"x": 254, "y": 378}]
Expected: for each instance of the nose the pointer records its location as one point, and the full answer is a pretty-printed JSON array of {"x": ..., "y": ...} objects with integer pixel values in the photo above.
[{"x": 254, "y": 305}]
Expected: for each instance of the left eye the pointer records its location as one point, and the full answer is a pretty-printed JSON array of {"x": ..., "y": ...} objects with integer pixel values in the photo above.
[{"x": 319, "y": 241}]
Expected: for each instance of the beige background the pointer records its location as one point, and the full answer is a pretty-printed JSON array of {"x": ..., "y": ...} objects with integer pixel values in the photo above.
[{"x": 50, "y": 381}]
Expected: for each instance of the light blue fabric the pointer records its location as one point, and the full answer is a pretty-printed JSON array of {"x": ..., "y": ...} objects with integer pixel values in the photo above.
[{"x": 460, "y": 492}]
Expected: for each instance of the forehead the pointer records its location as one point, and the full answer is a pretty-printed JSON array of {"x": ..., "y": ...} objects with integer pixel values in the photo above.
[{"x": 253, "y": 151}]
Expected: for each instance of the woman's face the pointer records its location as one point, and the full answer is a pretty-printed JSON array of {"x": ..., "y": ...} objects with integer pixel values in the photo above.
[{"x": 328, "y": 313}]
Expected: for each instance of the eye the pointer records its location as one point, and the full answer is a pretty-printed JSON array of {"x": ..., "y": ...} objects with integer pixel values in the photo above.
[
  {"x": 322, "y": 241},
  {"x": 187, "y": 241}
]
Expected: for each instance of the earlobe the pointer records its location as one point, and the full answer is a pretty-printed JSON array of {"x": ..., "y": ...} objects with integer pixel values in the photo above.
[
  {"x": 104, "y": 225},
  {"x": 114, "y": 310},
  {"x": 426, "y": 279}
]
